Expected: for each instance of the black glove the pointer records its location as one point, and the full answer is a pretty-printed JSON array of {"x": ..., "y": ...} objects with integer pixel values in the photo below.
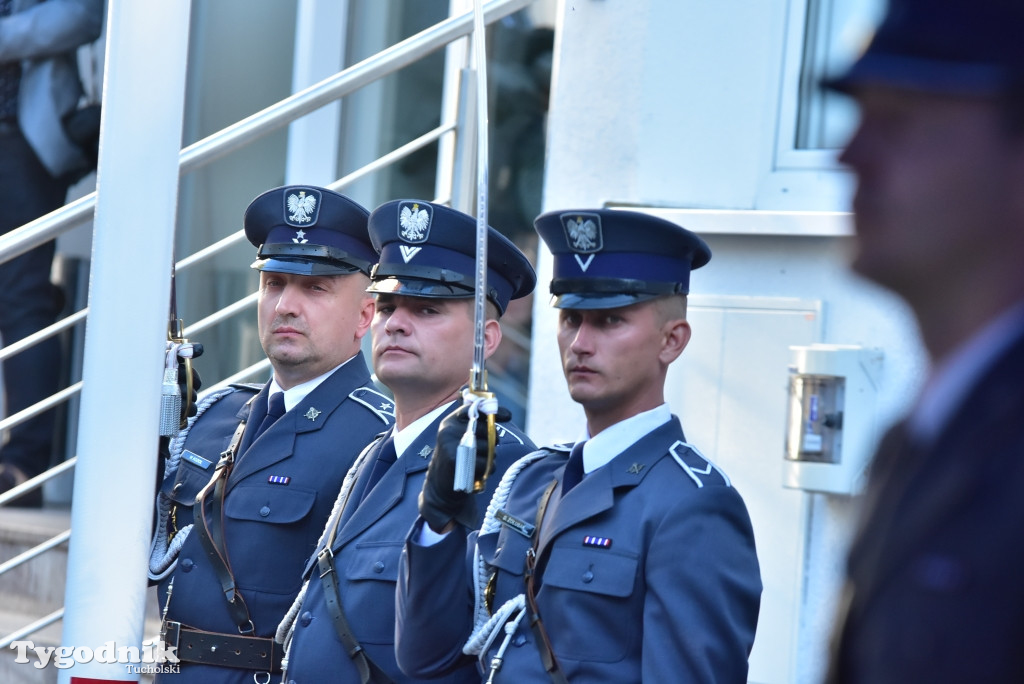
[{"x": 439, "y": 503}]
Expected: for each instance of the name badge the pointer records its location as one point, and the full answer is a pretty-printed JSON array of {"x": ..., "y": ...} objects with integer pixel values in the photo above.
[
  {"x": 521, "y": 526},
  {"x": 195, "y": 459}
]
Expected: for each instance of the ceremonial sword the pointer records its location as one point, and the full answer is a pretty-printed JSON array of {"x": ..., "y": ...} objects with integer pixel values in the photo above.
[{"x": 479, "y": 400}]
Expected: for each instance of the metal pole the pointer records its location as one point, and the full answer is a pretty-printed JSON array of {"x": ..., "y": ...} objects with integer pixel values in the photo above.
[{"x": 137, "y": 191}]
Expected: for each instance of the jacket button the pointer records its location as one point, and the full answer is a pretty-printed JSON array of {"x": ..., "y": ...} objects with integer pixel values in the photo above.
[
  {"x": 265, "y": 511},
  {"x": 378, "y": 567},
  {"x": 305, "y": 619},
  {"x": 588, "y": 577},
  {"x": 187, "y": 565},
  {"x": 519, "y": 640}
]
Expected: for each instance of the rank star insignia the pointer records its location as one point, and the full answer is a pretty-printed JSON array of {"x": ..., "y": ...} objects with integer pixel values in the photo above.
[
  {"x": 385, "y": 406},
  {"x": 635, "y": 469},
  {"x": 312, "y": 413},
  {"x": 300, "y": 237},
  {"x": 426, "y": 451}
]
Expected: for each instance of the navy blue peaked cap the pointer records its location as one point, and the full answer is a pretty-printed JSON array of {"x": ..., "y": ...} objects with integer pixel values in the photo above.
[
  {"x": 429, "y": 250},
  {"x": 607, "y": 258},
  {"x": 307, "y": 230},
  {"x": 956, "y": 47}
]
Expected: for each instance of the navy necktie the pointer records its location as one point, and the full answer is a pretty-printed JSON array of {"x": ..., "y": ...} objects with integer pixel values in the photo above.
[
  {"x": 386, "y": 456},
  {"x": 573, "y": 469},
  {"x": 275, "y": 411}
]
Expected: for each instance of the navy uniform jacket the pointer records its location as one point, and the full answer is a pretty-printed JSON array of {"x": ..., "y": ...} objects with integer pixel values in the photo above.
[
  {"x": 366, "y": 550},
  {"x": 647, "y": 572},
  {"x": 934, "y": 589},
  {"x": 270, "y": 528}
]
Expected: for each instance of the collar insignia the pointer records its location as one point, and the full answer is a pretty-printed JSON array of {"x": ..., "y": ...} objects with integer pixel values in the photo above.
[
  {"x": 635, "y": 468},
  {"x": 426, "y": 451},
  {"x": 312, "y": 413}
]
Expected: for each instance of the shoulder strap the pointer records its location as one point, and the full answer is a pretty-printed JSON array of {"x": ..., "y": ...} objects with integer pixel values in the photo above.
[
  {"x": 369, "y": 671},
  {"x": 547, "y": 653},
  {"x": 212, "y": 536}
]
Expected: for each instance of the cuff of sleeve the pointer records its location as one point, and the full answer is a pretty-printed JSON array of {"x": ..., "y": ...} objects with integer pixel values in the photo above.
[{"x": 425, "y": 536}]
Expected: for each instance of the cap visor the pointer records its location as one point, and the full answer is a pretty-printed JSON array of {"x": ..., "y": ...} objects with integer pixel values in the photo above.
[
  {"x": 574, "y": 300},
  {"x": 921, "y": 75},
  {"x": 306, "y": 268}
]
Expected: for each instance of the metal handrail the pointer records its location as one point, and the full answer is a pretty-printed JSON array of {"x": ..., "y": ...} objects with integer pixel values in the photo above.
[
  {"x": 32, "y": 628},
  {"x": 37, "y": 550},
  {"x": 42, "y": 334},
  {"x": 37, "y": 481}
]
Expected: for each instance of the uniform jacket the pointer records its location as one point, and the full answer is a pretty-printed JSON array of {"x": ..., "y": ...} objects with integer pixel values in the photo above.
[
  {"x": 44, "y": 36},
  {"x": 270, "y": 528},
  {"x": 366, "y": 550},
  {"x": 647, "y": 572},
  {"x": 934, "y": 580}
]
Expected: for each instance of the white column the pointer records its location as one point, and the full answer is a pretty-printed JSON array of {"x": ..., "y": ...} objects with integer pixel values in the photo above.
[{"x": 137, "y": 190}]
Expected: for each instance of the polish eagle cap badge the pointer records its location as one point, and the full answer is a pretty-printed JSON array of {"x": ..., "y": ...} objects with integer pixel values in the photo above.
[
  {"x": 302, "y": 207},
  {"x": 414, "y": 221},
  {"x": 583, "y": 232}
]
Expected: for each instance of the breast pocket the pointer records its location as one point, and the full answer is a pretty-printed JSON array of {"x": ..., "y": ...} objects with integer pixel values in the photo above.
[
  {"x": 188, "y": 480},
  {"x": 371, "y": 571},
  {"x": 269, "y": 536},
  {"x": 594, "y": 587}
]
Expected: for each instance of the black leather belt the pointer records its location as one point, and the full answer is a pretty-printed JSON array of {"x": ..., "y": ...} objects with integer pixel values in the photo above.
[{"x": 226, "y": 650}]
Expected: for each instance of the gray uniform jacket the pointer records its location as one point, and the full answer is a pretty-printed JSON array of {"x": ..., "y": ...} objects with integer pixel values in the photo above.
[
  {"x": 278, "y": 498},
  {"x": 647, "y": 572},
  {"x": 44, "y": 36},
  {"x": 366, "y": 549}
]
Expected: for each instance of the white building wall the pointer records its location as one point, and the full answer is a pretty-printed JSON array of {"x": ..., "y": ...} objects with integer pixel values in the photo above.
[{"x": 674, "y": 105}]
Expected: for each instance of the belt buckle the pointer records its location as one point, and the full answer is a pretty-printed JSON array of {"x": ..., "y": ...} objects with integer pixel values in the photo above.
[{"x": 172, "y": 630}]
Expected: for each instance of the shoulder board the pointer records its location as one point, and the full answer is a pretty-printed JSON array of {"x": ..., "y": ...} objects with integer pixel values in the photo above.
[
  {"x": 504, "y": 433},
  {"x": 247, "y": 386},
  {"x": 380, "y": 404},
  {"x": 699, "y": 467}
]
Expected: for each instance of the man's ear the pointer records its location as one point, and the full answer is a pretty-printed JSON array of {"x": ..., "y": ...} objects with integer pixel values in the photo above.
[
  {"x": 366, "y": 312},
  {"x": 675, "y": 337},
  {"x": 492, "y": 336}
]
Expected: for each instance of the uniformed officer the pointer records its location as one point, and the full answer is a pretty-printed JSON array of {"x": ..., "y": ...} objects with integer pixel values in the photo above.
[
  {"x": 626, "y": 557},
  {"x": 226, "y": 581},
  {"x": 933, "y": 588},
  {"x": 342, "y": 628}
]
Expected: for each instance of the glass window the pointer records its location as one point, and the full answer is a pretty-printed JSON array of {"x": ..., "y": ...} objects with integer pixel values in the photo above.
[{"x": 836, "y": 32}]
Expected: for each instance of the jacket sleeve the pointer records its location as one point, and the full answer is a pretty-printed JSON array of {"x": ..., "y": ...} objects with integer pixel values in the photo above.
[
  {"x": 50, "y": 28},
  {"x": 703, "y": 592},
  {"x": 434, "y": 605}
]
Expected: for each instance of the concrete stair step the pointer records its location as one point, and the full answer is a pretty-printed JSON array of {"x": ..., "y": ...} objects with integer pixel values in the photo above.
[{"x": 36, "y": 588}]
